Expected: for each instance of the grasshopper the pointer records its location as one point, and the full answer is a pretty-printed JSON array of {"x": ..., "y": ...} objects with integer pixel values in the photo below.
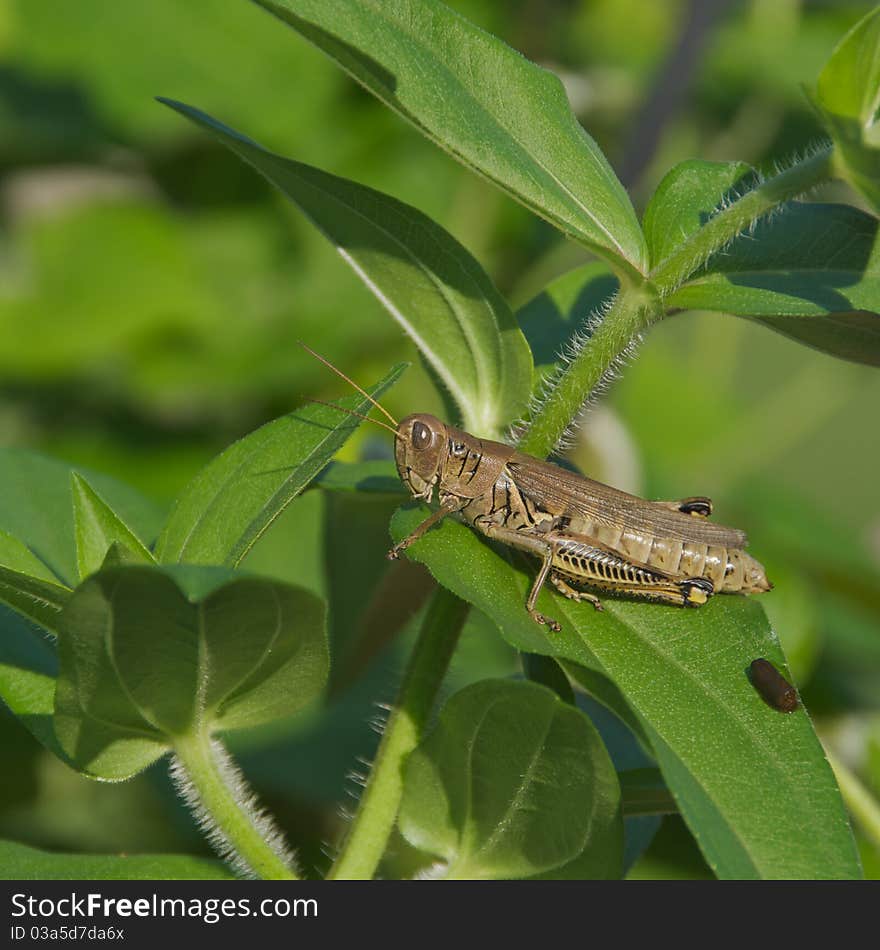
[{"x": 588, "y": 536}]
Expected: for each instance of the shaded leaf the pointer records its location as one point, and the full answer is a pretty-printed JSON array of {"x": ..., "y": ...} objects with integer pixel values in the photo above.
[
  {"x": 15, "y": 555},
  {"x": 27, "y": 585},
  {"x": 38, "y": 600},
  {"x": 482, "y": 102},
  {"x": 375, "y": 477},
  {"x": 423, "y": 277},
  {"x": 548, "y": 672},
  {"x": 811, "y": 272},
  {"x": 238, "y": 494},
  {"x": 148, "y": 654},
  {"x": 683, "y": 673},
  {"x": 563, "y": 309},
  {"x": 35, "y": 507},
  {"x": 513, "y": 782},
  {"x": 28, "y": 667}
]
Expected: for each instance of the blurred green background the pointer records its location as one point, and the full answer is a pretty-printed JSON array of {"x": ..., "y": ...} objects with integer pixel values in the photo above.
[{"x": 152, "y": 290}]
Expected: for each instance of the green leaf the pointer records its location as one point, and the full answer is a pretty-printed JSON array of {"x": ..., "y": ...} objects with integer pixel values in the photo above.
[
  {"x": 683, "y": 673},
  {"x": 483, "y": 103},
  {"x": 23, "y": 863},
  {"x": 28, "y": 666},
  {"x": 27, "y": 585},
  {"x": 35, "y": 508},
  {"x": 234, "y": 499},
  {"x": 424, "y": 278},
  {"x": 97, "y": 527},
  {"x": 118, "y": 554},
  {"x": 376, "y": 476},
  {"x": 548, "y": 672},
  {"x": 562, "y": 309},
  {"x": 847, "y": 96},
  {"x": 148, "y": 654},
  {"x": 811, "y": 272},
  {"x": 17, "y": 556},
  {"x": 684, "y": 200},
  {"x": 40, "y": 601},
  {"x": 514, "y": 783}
]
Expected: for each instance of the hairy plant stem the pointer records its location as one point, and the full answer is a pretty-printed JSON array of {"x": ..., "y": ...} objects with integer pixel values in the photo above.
[
  {"x": 722, "y": 227},
  {"x": 368, "y": 835},
  {"x": 227, "y": 811},
  {"x": 633, "y": 309},
  {"x": 638, "y": 304}
]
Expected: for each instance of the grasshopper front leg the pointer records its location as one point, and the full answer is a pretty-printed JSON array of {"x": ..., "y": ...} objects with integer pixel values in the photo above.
[{"x": 447, "y": 507}]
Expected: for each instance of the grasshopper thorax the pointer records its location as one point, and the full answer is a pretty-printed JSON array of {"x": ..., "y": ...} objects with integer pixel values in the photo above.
[{"x": 420, "y": 447}]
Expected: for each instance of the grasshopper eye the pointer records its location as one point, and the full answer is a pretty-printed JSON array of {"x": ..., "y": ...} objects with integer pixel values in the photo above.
[{"x": 421, "y": 435}]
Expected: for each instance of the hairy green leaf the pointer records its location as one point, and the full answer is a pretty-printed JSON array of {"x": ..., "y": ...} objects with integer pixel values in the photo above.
[
  {"x": 811, "y": 272},
  {"x": 512, "y": 783},
  {"x": 148, "y": 654},
  {"x": 684, "y": 200},
  {"x": 683, "y": 673},
  {"x": 482, "y": 102},
  {"x": 27, "y": 585},
  {"x": 38, "y": 600}
]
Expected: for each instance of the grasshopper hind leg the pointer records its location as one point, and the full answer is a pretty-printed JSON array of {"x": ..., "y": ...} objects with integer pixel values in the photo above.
[
  {"x": 699, "y": 506},
  {"x": 572, "y": 593},
  {"x": 554, "y": 625},
  {"x": 696, "y": 591}
]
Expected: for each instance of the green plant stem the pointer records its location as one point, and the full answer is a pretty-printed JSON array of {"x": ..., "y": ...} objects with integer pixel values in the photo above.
[
  {"x": 225, "y": 804},
  {"x": 637, "y": 305},
  {"x": 372, "y": 825},
  {"x": 632, "y": 310},
  {"x": 722, "y": 227},
  {"x": 859, "y": 801}
]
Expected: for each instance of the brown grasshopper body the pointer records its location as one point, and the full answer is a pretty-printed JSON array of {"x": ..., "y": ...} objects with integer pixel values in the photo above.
[{"x": 587, "y": 535}]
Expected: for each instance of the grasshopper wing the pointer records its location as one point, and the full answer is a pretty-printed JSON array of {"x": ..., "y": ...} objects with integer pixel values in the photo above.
[{"x": 562, "y": 492}]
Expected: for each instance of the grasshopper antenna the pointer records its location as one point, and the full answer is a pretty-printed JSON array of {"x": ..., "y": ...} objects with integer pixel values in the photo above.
[
  {"x": 350, "y": 382},
  {"x": 351, "y": 412}
]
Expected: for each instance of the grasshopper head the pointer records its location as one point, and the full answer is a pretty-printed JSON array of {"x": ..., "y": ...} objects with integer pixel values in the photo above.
[{"x": 419, "y": 448}]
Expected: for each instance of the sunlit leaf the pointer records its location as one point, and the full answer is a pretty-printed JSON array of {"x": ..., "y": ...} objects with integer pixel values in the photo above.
[{"x": 484, "y": 103}]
